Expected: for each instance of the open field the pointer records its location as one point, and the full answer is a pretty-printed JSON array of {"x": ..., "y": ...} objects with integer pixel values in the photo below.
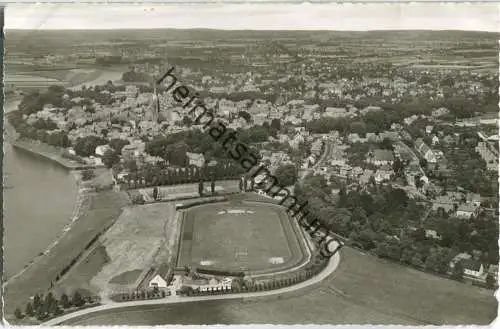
[
  {"x": 143, "y": 237},
  {"x": 100, "y": 210},
  {"x": 99, "y": 77},
  {"x": 363, "y": 290},
  {"x": 239, "y": 236},
  {"x": 19, "y": 77}
]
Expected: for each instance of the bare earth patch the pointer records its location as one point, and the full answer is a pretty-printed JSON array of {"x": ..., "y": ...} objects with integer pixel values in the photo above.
[
  {"x": 143, "y": 237},
  {"x": 128, "y": 277}
]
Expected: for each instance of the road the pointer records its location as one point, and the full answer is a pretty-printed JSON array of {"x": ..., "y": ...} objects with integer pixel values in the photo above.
[
  {"x": 329, "y": 269},
  {"x": 321, "y": 160}
]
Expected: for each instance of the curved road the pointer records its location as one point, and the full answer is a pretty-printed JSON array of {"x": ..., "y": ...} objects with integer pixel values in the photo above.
[
  {"x": 323, "y": 158},
  {"x": 332, "y": 265}
]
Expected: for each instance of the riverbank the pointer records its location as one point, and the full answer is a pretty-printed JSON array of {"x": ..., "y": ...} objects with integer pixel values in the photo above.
[
  {"x": 95, "y": 212},
  {"x": 37, "y": 148},
  {"x": 75, "y": 215},
  {"x": 48, "y": 152}
]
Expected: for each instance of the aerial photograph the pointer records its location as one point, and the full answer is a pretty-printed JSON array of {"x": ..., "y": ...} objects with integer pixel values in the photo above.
[{"x": 250, "y": 164}]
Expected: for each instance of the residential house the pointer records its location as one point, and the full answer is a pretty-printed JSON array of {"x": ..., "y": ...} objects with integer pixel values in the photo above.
[
  {"x": 373, "y": 137},
  {"x": 425, "y": 151},
  {"x": 101, "y": 149},
  {"x": 432, "y": 234},
  {"x": 297, "y": 140},
  {"x": 196, "y": 159},
  {"x": 356, "y": 172},
  {"x": 488, "y": 155},
  {"x": 473, "y": 269},
  {"x": 392, "y": 135},
  {"x": 354, "y": 138},
  {"x": 440, "y": 112},
  {"x": 316, "y": 146},
  {"x": 444, "y": 202},
  {"x": 209, "y": 284},
  {"x": 336, "y": 112},
  {"x": 382, "y": 157},
  {"x": 467, "y": 210},
  {"x": 474, "y": 198},
  {"x": 159, "y": 279},
  {"x": 365, "y": 177},
  {"x": 382, "y": 175},
  {"x": 345, "y": 170}
]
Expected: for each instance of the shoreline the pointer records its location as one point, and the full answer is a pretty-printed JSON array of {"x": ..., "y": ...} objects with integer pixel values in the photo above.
[
  {"x": 77, "y": 212},
  {"x": 36, "y": 148}
]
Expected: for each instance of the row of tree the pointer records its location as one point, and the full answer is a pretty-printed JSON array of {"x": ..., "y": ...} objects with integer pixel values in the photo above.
[
  {"x": 144, "y": 294},
  {"x": 158, "y": 175},
  {"x": 43, "y": 307},
  {"x": 239, "y": 285}
]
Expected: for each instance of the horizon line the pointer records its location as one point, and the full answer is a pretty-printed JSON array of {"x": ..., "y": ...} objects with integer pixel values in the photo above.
[{"x": 247, "y": 30}]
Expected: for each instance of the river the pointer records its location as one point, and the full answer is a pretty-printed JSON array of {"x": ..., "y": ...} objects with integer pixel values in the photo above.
[{"x": 38, "y": 202}]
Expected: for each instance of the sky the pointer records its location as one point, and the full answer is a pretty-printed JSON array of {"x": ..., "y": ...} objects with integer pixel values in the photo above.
[{"x": 345, "y": 17}]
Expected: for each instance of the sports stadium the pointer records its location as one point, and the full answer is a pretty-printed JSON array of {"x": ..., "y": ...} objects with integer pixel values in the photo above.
[{"x": 244, "y": 234}]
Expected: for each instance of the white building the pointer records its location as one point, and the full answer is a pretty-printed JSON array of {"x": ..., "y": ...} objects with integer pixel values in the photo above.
[{"x": 158, "y": 282}]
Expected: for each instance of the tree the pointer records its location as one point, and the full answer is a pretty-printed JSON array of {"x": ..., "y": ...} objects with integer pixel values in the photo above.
[
  {"x": 18, "y": 313},
  {"x": 77, "y": 299},
  {"x": 423, "y": 163},
  {"x": 458, "y": 271},
  {"x": 53, "y": 307},
  {"x": 36, "y": 302},
  {"x": 131, "y": 165},
  {"x": 176, "y": 154},
  {"x": 275, "y": 124},
  {"x": 49, "y": 298},
  {"x": 240, "y": 184},
  {"x": 371, "y": 181},
  {"x": 65, "y": 301},
  {"x": 491, "y": 281},
  {"x": 87, "y": 174},
  {"x": 212, "y": 185},
  {"x": 200, "y": 188},
  {"x": 386, "y": 144},
  {"x": 397, "y": 166},
  {"x": 186, "y": 121},
  {"x": 417, "y": 261},
  {"x": 117, "y": 144},
  {"x": 110, "y": 158},
  {"x": 286, "y": 175},
  {"x": 245, "y": 115},
  {"x": 418, "y": 182},
  {"x": 86, "y": 146},
  {"x": 29, "y": 309}
]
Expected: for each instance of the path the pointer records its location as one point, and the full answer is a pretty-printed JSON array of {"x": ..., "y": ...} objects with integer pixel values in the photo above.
[{"x": 329, "y": 269}]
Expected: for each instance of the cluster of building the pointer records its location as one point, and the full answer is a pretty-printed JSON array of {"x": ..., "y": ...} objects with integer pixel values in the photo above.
[{"x": 459, "y": 204}]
